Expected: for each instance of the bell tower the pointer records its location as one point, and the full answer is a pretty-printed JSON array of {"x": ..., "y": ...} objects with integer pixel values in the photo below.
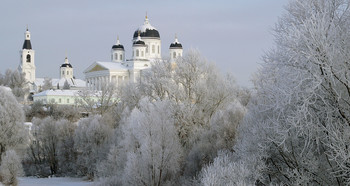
[{"x": 27, "y": 64}]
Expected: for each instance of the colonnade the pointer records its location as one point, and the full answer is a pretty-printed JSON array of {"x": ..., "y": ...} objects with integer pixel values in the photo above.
[{"x": 96, "y": 83}]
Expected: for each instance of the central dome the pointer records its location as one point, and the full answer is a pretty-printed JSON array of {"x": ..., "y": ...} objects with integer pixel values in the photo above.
[{"x": 147, "y": 30}]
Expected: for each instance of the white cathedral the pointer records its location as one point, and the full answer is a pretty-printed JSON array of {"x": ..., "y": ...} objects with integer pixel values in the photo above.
[{"x": 146, "y": 49}]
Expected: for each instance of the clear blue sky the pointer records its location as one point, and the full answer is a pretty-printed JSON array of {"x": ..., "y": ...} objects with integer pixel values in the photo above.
[{"x": 231, "y": 33}]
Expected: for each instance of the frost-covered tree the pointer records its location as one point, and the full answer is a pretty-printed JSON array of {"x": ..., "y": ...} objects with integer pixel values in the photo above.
[
  {"x": 92, "y": 141},
  {"x": 10, "y": 168},
  {"x": 13, "y": 133},
  {"x": 220, "y": 135},
  {"x": 297, "y": 129},
  {"x": 47, "y": 84},
  {"x": 17, "y": 82},
  {"x": 154, "y": 151},
  {"x": 106, "y": 99},
  {"x": 66, "y": 85},
  {"x": 66, "y": 152},
  {"x": 43, "y": 152}
]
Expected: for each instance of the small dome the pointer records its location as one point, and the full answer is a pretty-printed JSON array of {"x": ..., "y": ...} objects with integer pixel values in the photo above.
[
  {"x": 147, "y": 33},
  {"x": 139, "y": 42},
  {"x": 118, "y": 47},
  {"x": 175, "y": 45},
  {"x": 67, "y": 65},
  {"x": 147, "y": 30}
]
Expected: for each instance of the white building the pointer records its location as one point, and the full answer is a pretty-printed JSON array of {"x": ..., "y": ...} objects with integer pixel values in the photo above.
[
  {"x": 145, "y": 50},
  {"x": 27, "y": 66},
  {"x": 61, "y": 97}
]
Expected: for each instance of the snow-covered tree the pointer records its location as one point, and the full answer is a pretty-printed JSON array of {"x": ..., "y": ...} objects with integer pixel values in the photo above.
[
  {"x": 297, "y": 129},
  {"x": 13, "y": 133},
  {"x": 17, "y": 82},
  {"x": 154, "y": 152},
  {"x": 92, "y": 141},
  {"x": 66, "y": 152},
  {"x": 106, "y": 99},
  {"x": 11, "y": 168},
  {"x": 66, "y": 85},
  {"x": 47, "y": 84},
  {"x": 43, "y": 151},
  {"x": 220, "y": 135}
]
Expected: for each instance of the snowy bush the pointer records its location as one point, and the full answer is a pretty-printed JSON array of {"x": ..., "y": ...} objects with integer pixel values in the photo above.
[{"x": 11, "y": 168}]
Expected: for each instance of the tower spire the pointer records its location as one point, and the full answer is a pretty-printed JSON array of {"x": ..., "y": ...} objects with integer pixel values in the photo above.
[
  {"x": 118, "y": 42},
  {"x": 176, "y": 41},
  {"x": 146, "y": 19}
]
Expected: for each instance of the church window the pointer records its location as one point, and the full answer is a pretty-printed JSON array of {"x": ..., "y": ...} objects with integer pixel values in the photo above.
[
  {"x": 28, "y": 58},
  {"x": 121, "y": 57},
  {"x": 174, "y": 55},
  {"x": 67, "y": 100},
  {"x": 137, "y": 53},
  {"x": 146, "y": 48},
  {"x": 153, "y": 49},
  {"x": 67, "y": 72},
  {"x": 142, "y": 53},
  {"x": 158, "y": 49},
  {"x": 62, "y": 72},
  {"x": 116, "y": 56}
]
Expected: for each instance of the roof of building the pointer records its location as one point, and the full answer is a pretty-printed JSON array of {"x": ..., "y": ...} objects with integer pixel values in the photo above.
[
  {"x": 118, "y": 47},
  {"x": 112, "y": 65},
  {"x": 57, "y": 92},
  {"x": 147, "y": 30},
  {"x": 71, "y": 81},
  {"x": 176, "y": 45},
  {"x": 66, "y": 65},
  {"x": 139, "y": 42},
  {"x": 27, "y": 44}
]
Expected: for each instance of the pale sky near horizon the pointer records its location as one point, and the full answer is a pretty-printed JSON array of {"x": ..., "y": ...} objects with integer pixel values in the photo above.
[{"x": 233, "y": 34}]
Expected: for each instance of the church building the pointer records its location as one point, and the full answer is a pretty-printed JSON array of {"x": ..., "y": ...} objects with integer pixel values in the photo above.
[
  {"x": 27, "y": 66},
  {"x": 146, "y": 49}
]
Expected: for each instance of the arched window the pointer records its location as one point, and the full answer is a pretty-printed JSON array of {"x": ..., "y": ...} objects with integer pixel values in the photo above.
[
  {"x": 67, "y": 72},
  {"x": 116, "y": 56},
  {"x": 153, "y": 49},
  {"x": 62, "y": 72},
  {"x": 146, "y": 48},
  {"x": 28, "y": 58},
  {"x": 121, "y": 57},
  {"x": 137, "y": 53},
  {"x": 142, "y": 54},
  {"x": 158, "y": 49},
  {"x": 133, "y": 53},
  {"x": 174, "y": 54}
]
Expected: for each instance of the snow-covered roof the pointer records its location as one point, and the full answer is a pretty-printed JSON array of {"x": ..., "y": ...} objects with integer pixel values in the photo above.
[
  {"x": 58, "y": 92},
  {"x": 112, "y": 65},
  {"x": 72, "y": 82}
]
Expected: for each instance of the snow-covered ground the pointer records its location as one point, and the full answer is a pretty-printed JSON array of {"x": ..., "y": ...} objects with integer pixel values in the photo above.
[{"x": 31, "y": 181}]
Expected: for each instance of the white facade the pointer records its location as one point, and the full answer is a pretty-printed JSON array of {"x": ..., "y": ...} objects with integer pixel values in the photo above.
[{"x": 146, "y": 50}]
